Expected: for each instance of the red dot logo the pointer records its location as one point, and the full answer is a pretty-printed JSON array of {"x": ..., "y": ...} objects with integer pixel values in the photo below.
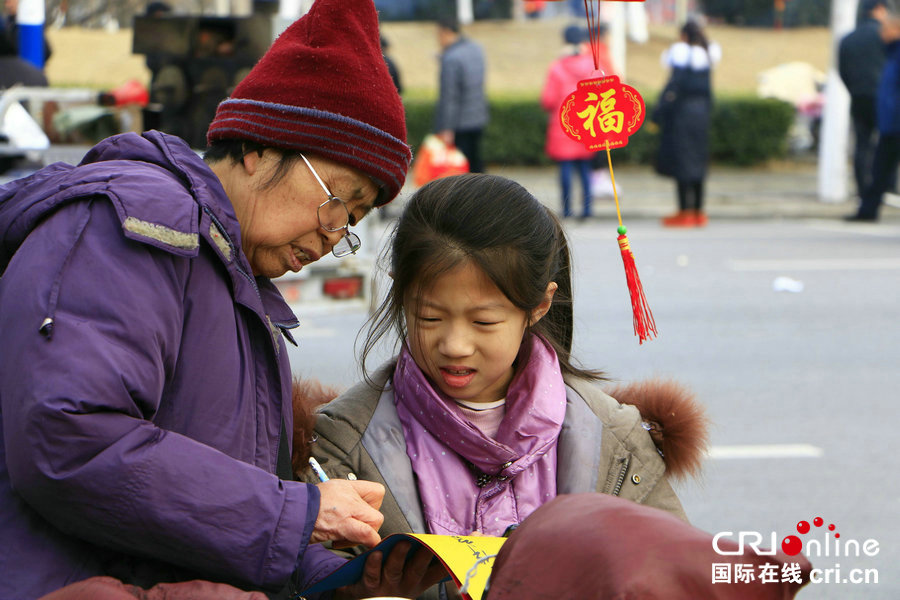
[{"x": 791, "y": 545}]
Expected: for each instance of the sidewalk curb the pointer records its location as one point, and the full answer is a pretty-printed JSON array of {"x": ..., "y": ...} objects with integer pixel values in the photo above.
[{"x": 786, "y": 192}]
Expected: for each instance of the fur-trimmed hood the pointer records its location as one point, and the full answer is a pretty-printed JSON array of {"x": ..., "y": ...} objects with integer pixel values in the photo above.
[
  {"x": 677, "y": 422},
  {"x": 307, "y": 395}
]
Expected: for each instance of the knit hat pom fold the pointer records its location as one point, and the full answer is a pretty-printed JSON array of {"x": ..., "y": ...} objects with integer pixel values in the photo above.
[{"x": 323, "y": 87}]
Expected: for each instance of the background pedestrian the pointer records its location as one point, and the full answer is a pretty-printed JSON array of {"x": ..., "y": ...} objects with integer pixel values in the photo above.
[
  {"x": 391, "y": 65},
  {"x": 887, "y": 151},
  {"x": 462, "y": 111},
  {"x": 14, "y": 70},
  {"x": 683, "y": 115},
  {"x": 11, "y": 27},
  {"x": 575, "y": 64},
  {"x": 861, "y": 58}
]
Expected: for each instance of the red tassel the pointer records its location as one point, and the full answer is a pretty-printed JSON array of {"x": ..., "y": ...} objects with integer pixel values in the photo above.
[{"x": 644, "y": 325}]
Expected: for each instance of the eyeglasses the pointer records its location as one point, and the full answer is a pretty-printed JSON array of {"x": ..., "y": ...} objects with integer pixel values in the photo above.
[{"x": 334, "y": 216}]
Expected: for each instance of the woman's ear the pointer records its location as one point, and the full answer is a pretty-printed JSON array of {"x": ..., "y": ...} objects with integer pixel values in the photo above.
[
  {"x": 542, "y": 308},
  {"x": 252, "y": 161}
]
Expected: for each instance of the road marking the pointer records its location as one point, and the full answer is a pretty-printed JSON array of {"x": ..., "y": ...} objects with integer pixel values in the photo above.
[
  {"x": 766, "y": 451},
  {"x": 870, "y": 229},
  {"x": 816, "y": 264}
]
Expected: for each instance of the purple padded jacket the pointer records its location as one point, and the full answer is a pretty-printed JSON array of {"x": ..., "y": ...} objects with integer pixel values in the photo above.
[{"x": 144, "y": 382}]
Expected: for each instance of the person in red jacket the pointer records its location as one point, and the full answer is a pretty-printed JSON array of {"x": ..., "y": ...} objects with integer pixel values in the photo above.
[{"x": 565, "y": 72}]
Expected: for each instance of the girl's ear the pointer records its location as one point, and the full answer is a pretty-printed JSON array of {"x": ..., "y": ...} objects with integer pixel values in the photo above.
[{"x": 542, "y": 308}]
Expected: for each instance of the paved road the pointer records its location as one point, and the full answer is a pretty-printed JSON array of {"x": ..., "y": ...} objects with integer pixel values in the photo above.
[{"x": 801, "y": 386}]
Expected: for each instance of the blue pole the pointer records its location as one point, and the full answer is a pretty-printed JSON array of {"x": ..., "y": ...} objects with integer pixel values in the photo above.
[{"x": 30, "y": 21}]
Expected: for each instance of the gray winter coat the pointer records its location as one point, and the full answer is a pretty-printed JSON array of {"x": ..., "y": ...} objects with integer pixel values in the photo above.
[{"x": 461, "y": 102}]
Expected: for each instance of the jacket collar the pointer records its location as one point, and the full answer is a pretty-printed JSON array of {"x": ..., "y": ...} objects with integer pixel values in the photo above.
[
  {"x": 384, "y": 442},
  {"x": 580, "y": 445}
]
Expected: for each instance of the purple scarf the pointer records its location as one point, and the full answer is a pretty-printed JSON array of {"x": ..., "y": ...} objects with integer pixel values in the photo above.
[{"x": 447, "y": 452}]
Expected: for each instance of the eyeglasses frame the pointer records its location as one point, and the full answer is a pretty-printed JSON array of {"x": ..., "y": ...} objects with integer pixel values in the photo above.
[{"x": 353, "y": 241}]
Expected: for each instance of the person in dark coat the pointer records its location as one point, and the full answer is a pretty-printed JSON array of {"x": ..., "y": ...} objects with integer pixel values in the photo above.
[
  {"x": 391, "y": 65},
  {"x": 887, "y": 152},
  {"x": 861, "y": 56},
  {"x": 683, "y": 115},
  {"x": 11, "y": 28},
  {"x": 17, "y": 71},
  {"x": 14, "y": 70}
]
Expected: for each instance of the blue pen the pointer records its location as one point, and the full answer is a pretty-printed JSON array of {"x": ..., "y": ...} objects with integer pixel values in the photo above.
[{"x": 317, "y": 469}]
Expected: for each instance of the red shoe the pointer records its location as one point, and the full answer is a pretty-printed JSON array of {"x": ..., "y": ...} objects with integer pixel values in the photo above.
[
  {"x": 700, "y": 219},
  {"x": 683, "y": 218}
]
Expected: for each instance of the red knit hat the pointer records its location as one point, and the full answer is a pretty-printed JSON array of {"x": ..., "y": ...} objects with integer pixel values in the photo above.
[{"x": 324, "y": 87}]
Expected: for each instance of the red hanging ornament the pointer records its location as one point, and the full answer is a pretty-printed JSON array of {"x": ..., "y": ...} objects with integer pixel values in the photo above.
[
  {"x": 601, "y": 114},
  {"x": 644, "y": 324},
  {"x": 602, "y": 110}
]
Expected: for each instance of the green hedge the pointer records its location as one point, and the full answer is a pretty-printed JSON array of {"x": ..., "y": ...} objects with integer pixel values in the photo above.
[
  {"x": 745, "y": 131},
  {"x": 761, "y": 13}
]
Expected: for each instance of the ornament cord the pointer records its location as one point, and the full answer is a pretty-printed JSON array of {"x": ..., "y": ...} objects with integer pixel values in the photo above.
[{"x": 612, "y": 177}]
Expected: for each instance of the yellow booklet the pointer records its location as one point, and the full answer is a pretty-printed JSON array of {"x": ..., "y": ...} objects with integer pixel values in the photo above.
[{"x": 460, "y": 554}]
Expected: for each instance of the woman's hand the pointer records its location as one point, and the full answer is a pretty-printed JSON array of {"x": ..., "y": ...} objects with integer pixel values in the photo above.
[
  {"x": 348, "y": 512},
  {"x": 395, "y": 576},
  {"x": 447, "y": 136}
]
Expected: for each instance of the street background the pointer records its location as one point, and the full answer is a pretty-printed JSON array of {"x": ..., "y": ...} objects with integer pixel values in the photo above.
[{"x": 779, "y": 316}]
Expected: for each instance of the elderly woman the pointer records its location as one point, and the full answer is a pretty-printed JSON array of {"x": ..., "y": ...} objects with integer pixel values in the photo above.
[{"x": 145, "y": 384}]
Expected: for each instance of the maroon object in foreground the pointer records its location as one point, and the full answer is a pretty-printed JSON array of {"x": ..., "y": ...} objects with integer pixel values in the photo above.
[
  {"x": 108, "y": 588},
  {"x": 599, "y": 547}
]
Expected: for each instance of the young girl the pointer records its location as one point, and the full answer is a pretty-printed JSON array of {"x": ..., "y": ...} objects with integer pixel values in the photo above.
[{"x": 483, "y": 416}]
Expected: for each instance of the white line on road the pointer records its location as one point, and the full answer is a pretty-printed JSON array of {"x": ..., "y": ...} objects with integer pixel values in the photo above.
[
  {"x": 816, "y": 264},
  {"x": 766, "y": 451},
  {"x": 870, "y": 229}
]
